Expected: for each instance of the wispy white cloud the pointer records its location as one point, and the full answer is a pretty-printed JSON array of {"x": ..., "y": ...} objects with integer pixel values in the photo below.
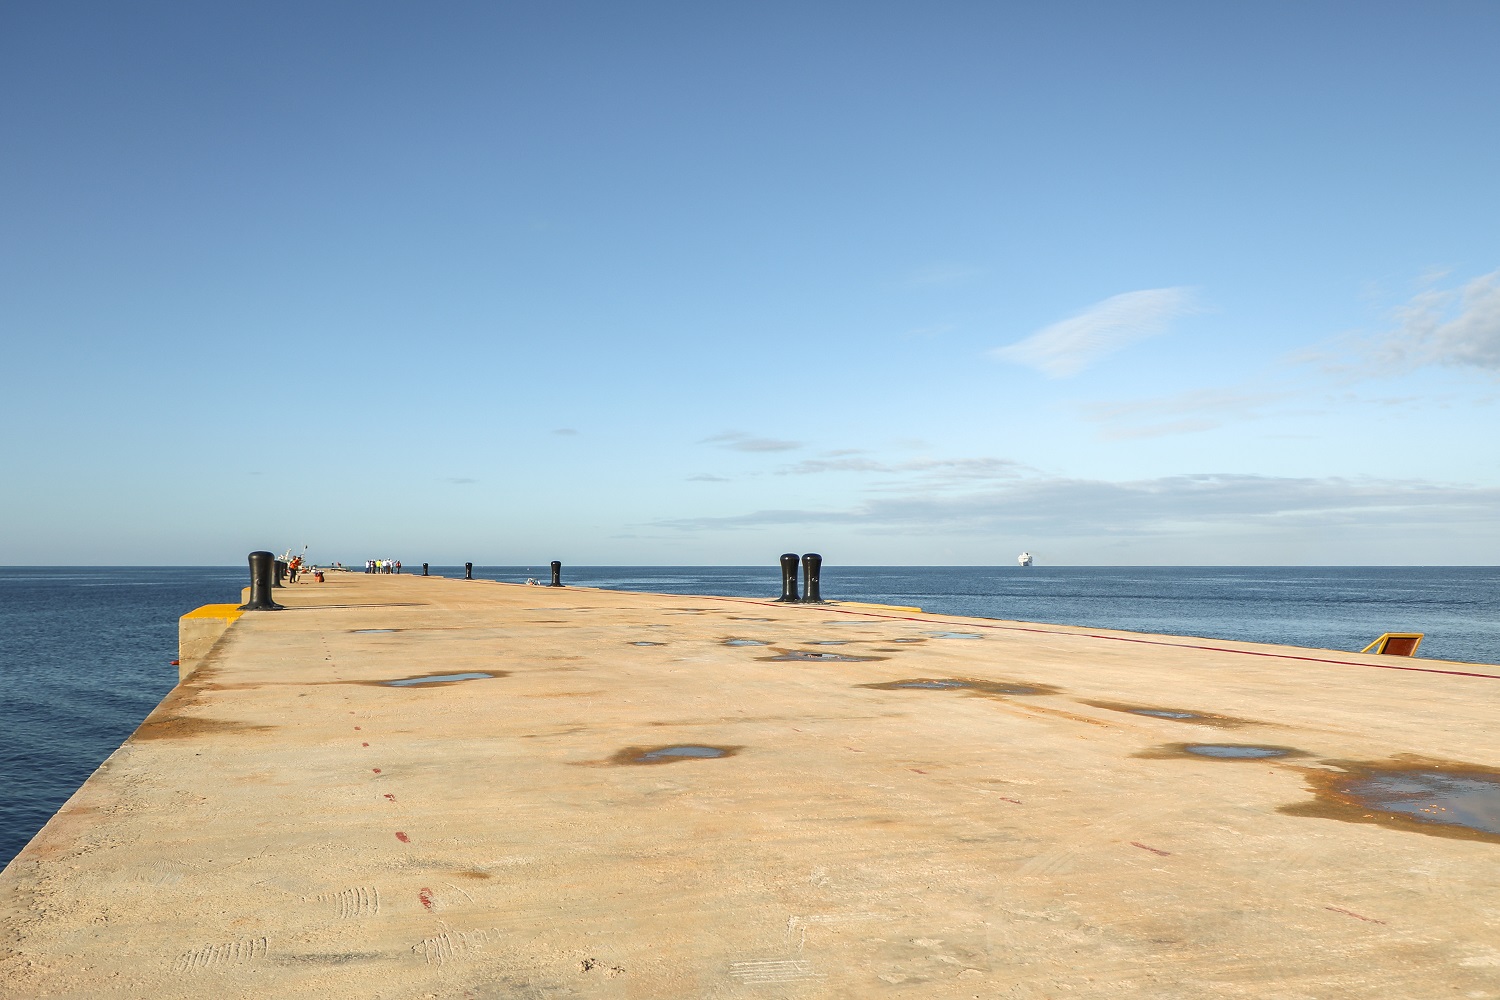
[
  {"x": 933, "y": 472},
  {"x": 1068, "y": 347},
  {"x": 1164, "y": 507},
  {"x": 566, "y": 431},
  {"x": 1183, "y": 412},
  {"x": 740, "y": 441},
  {"x": 1458, "y": 327},
  {"x": 707, "y": 478}
]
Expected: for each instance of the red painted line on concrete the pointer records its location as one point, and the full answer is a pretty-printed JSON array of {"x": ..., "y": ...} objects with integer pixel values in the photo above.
[
  {"x": 390, "y": 796},
  {"x": 426, "y": 897},
  {"x": 364, "y": 744},
  {"x": 1121, "y": 638},
  {"x": 1153, "y": 850},
  {"x": 402, "y": 837},
  {"x": 375, "y": 769}
]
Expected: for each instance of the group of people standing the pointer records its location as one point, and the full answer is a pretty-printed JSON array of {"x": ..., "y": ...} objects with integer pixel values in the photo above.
[{"x": 382, "y": 565}]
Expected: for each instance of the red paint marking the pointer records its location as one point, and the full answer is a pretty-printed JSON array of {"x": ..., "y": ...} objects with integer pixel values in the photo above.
[
  {"x": 1153, "y": 850},
  {"x": 364, "y": 744},
  {"x": 375, "y": 769},
  {"x": 1016, "y": 801},
  {"x": 356, "y": 728},
  {"x": 1121, "y": 638},
  {"x": 426, "y": 897},
  {"x": 851, "y": 748},
  {"x": 390, "y": 796},
  {"x": 402, "y": 837},
  {"x": 916, "y": 769},
  {"x": 1351, "y": 913}
]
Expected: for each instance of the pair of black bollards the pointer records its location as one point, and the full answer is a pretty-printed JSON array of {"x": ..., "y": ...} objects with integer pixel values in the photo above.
[{"x": 812, "y": 568}]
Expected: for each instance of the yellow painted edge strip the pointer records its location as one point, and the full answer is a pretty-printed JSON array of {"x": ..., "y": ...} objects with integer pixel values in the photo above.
[
  {"x": 883, "y": 607},
  {"x": 228, "y": 612}
]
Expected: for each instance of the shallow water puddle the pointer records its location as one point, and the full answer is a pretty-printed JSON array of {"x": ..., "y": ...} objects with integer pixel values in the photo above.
[
  {"x": 1219, "y": 751},
  {"x": 672, "y": 753},
  {"x": 373, "y": 631},
  {"x": 734, "y": 619},
  {"x": 971, "y": 685},
  {"x": 810, "y": 656},
  {"x": 828, "y": 642},
  {"x": 1440, "y": 798},
  {"x": 643, "y": 643},
  {"x": 1224, "y": 751},
  {"x": 745, "y": 642},
  {"x": 952, "y": 635},
  {"x": 433, "y": 680},
  {"x": 908, "y": 640},
  {"x": 1174, "y": 714}
]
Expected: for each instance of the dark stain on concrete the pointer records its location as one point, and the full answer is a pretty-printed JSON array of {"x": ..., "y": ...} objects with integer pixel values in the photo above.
[
  {"x": 168, "y": 726},
  {"x": 437, "y": 678},
  {"x": 1414, "y": 794},
  {"x": 1173, "y": 714},
  {"x": 813, "y": 656},
  {"x": 966, "y": 685},
  {"x": 671, "y": 753},
  {"x": 1220, "y": 751}
]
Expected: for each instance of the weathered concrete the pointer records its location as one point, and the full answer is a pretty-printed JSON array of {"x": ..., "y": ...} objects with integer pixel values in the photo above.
[
  {"x": 288, "y": 825},
  {"x": 198, "y": 630}
]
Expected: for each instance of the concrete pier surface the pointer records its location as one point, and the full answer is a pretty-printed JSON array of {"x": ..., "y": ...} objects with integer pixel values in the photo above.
[{"x": 405, "y": 787}]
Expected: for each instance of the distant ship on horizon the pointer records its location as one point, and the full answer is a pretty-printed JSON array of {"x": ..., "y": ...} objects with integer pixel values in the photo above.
[{"x": 1024, "y": 558}]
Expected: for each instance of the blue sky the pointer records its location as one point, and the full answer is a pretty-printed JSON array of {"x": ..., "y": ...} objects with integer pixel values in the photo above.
[{"x": 685, "y": 283}]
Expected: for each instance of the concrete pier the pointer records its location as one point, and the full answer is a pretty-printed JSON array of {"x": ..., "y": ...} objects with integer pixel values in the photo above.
[{"x": 421, "y": 787}]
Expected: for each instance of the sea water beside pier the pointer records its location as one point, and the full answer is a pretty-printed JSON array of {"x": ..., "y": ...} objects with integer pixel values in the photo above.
[{"x": 87, "y": 650}]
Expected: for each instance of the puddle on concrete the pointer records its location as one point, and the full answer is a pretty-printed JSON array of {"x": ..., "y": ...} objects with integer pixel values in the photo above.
[
  {"x": 643, "y": 643},
  {"x": 672, "y": 753},
  {"x": 734, "y": 619},
  {"x": 373, "y": 631},
  {"x": 828, "y": 642},
  {"x": 1416, "y": 794},
  {"x": 954, "y": 635},
  {"x": 811, "y": 656},
  {"x": 1174, "y": 714},
  {"x": 1228, "y": 751},
  {"x": 907, "y": 640},
  {"x": 745, "y": 642},
  {"x": 1220, "y": 751},
  {"x": 436, "y": 680},
  {"x": 971, "y": 685}
]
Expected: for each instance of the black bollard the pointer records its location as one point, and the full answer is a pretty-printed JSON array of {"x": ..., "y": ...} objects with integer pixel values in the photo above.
[
  {"x": 556, "y": 573},
  {"x": 788, "y": 578},
  {"x": 468, "y": 571},
  {"x": 812, "y": 566},
  {"x": 424, "y": 569},
  {"x": 280, "y": 573},
  {"x": 262, "y": 575}
]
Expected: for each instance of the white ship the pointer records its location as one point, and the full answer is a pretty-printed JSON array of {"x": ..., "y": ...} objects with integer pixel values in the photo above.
[{"x": 1024, "y": 558}]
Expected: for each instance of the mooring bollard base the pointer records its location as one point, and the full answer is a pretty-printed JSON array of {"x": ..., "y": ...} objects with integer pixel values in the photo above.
[{"x": 556, "y": 574}]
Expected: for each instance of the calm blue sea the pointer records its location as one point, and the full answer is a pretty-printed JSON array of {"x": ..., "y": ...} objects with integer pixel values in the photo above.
[{"x": 89, "y": 650}]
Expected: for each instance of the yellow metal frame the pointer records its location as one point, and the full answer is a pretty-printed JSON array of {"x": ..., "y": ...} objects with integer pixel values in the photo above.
[{"x": 1378, "y": 646}]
